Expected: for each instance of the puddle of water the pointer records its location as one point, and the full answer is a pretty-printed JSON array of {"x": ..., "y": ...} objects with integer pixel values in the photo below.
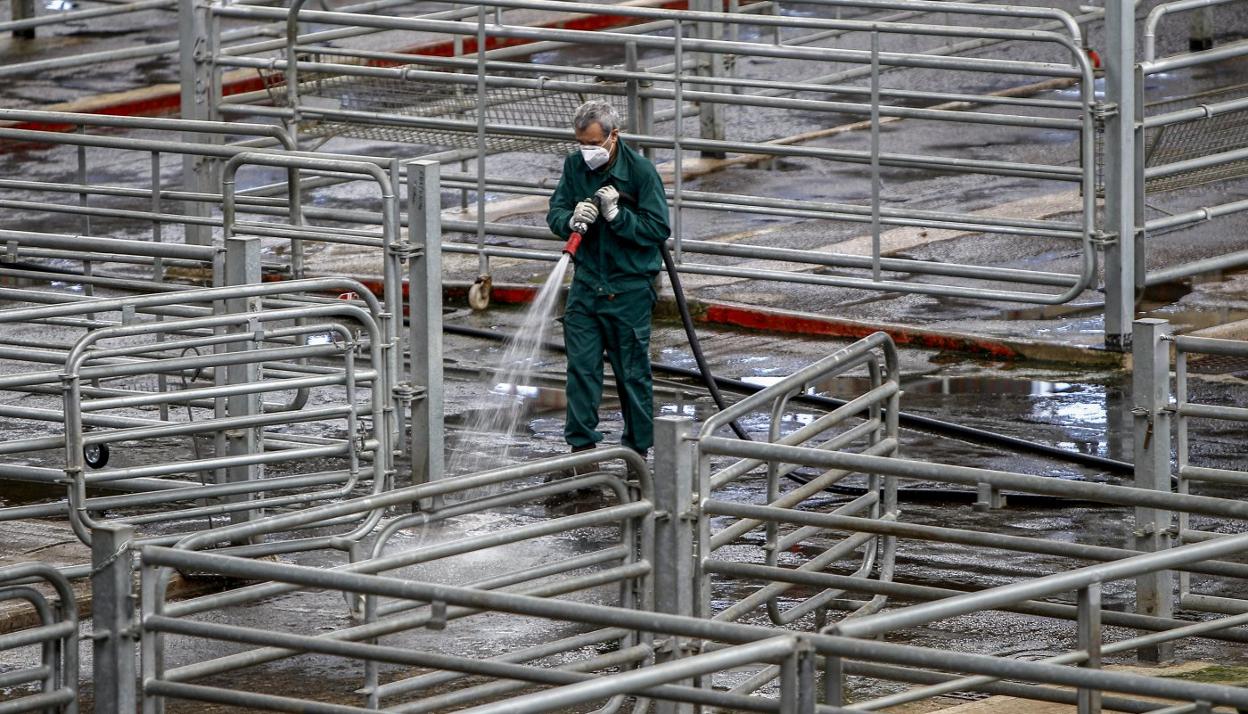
[{"x": 849, "y": 387}]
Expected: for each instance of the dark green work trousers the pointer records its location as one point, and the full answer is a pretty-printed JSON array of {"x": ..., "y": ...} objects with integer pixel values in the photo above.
[{"x": 619, "y": 324}]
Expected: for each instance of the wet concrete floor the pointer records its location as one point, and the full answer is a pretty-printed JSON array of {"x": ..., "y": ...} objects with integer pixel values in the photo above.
[{"x": 1073, "y": 408}]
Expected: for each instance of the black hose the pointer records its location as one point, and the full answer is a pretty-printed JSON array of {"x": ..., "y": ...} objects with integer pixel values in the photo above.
[
  {"x": 694, "y": 343},
  {"x": 910, "y": 421}
]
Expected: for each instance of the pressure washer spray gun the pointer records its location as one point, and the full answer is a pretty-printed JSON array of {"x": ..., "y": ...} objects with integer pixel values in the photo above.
[
  {"x": 578, "y": 229},
  {"x": 574, "y": 240}
]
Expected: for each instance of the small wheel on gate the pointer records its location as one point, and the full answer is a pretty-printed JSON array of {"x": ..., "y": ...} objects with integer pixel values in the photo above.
[
  {"x": 479, "y": 293},
  {"x": 96, "y": 455}
]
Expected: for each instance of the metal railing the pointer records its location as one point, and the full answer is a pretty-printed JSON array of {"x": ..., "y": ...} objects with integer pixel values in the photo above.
[
  {"x": 1194, "y": 141},
  {"x": 51, "y": 641},
  {"x": 1181, "y": 406},
  {"x": 870, "y": 419},
  {"x": 646, "y": 91},
  {"x": 617, "y": 562},
  {"x": 225, "y": 350},
  {"x": 131, "y": 203},
  {"x": 618, "y": 590}
]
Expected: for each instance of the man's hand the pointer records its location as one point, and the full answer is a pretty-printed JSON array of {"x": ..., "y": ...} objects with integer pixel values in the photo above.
[
  {"x": 609, "y": 202},
  {"x": 583, "y": 216}
]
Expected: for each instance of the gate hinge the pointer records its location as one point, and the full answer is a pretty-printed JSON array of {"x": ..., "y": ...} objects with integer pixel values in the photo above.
[
  {"x": 1103, "y": 238},
  {"x": 1102, "y": 111},
  {"x": 406, "y": 392},
  {"x": 406, "y": 251}
]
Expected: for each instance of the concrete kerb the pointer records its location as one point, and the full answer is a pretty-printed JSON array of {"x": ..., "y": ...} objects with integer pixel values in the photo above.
[{"x": 811, "y": 325}]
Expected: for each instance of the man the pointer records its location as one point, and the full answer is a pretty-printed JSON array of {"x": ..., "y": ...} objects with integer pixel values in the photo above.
[{"x": 615, "y": 194}]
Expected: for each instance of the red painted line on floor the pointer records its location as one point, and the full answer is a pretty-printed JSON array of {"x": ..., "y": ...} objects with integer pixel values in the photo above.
[
  {"x": 164, "y": 103},
  {"x": 761, "y": 319},
  {"x": 814, "y": 325}
]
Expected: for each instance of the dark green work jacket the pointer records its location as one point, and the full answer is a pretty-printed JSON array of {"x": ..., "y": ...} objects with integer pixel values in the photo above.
[{"x": 622, "y": 255}]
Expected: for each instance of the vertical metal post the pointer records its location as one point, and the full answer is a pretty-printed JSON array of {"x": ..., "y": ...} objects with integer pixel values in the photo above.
[
  {"x": 1089, "y": 640},
  {"x": 833, "y": 681},
  {"x": 1120, "y": 173},
  {"x": 392, "y": 319},
  {"x": 152, "y": 651},
  {"x": 1150, "y": 388},
  {"x": 483, "y": 260},
  {"x": 678, "y": 169},
  {"x": 112, "y": 619},
  {"x": 83, "y": 199},
  {"x": 708, "y": 64},
  {"x": 23, "y": 10},
  {"x": 1201, "y": 36},
  {"x": 797, "y": 681},
  {"x": 200, "y": 91},
  {"x": 242, "y": 267},
  {"x": 632, "y": 86},
  {"x": 673, "y": 532},
  {"x": 425, "y": 316},
  {"x": 1181, "y": 456},
  {"x": 1139, "y": 186},
  {"x": 875, "y": 155}
]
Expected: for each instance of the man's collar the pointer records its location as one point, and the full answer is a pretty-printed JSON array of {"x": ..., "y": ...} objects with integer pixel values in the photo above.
[{"x": 617, "y": 168}]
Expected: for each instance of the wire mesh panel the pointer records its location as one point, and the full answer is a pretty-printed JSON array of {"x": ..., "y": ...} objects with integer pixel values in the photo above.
[
  {"x": 1193, "y": 139},
  {"x": 390, "y": 100}
]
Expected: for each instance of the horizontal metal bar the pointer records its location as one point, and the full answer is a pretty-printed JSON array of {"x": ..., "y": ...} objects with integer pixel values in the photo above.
[
  {"x": 110, "y": 245},
  {"x": 184, "y": 395},
  {"x": 396, "y": 560},
  {"x": 566, "y": 644},
  {"x": 200, "y": 465},
  {"x": 85, "y": 119},
  {"x": 1214, "y": 603},
  {"x": 1009, "y": 689},
  {"x": 42, "y": 700},
  {"x": 1177, "y": 62},
  {"x": 1210, "y": 346},
  {"x": 731, "y": 473},
  {"x": 896, "y": 286},
  {"x": 938, "y": 534},
  {"x": 696, "y": 45},
  {"x": 46, "y": 632},
  {"x": 615, "y": 74},
  {"x": 1202, "y": 473},
  {"x": 618, "y": 660},
  {"x": 560, "y": 567},
  {"x": 406, "y": 73},
  {"x": 639, "y": 680},
  {"x": 379, "y": 628},
  {"x": 240, "y": 422},
  {"x": 22, "y": 676},
  {"x": 722, "y": 631},
  {"x": 1195, "y": 164},
  {"x": 904, "y": 468},
  {"x": 1209, "y": 411},
  {"x": 81, "y": 305},
  {"x": 914, "y": 161},
  {"x": 1203, "y": 111},
  {"x": 238, "y": 698},
  {"x": 1166, "y": 628}
]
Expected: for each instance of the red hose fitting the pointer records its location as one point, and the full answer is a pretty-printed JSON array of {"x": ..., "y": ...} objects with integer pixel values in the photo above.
[{"x": 574, "y": 242}]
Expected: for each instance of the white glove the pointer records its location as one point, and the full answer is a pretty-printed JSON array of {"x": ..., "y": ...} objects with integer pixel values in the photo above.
[
  {"x": 608, "y": 202},
  {"x": 583, "y": 216}
]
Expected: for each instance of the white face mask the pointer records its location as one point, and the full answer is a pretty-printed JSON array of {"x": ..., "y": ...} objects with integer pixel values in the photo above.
[{"x": 595, "y": 156}]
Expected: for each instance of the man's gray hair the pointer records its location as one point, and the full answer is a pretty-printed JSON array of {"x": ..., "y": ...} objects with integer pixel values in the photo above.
[{"x": 596, "y": 111}]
